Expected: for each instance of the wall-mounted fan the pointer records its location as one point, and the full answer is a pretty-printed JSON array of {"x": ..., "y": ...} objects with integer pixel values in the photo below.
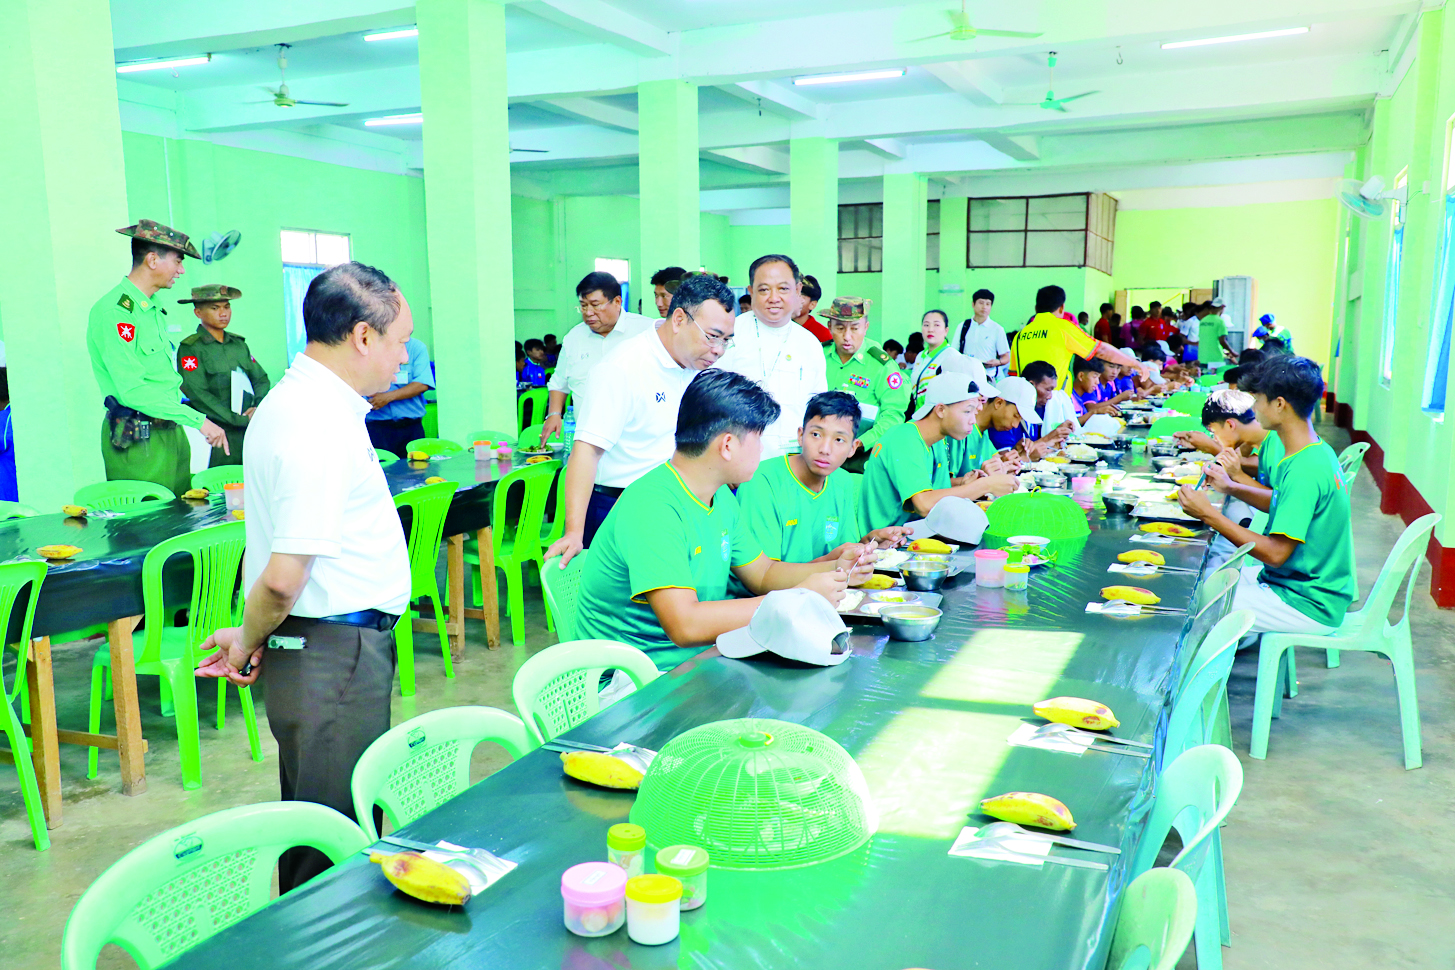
[
  {"x": 1050, "y": 102},
  {"x": 1368, "y": 199},
  {"x": 219, "y": 245},
  {"x": 961, "y": 28},
  {"x": 280, "y": 95}
]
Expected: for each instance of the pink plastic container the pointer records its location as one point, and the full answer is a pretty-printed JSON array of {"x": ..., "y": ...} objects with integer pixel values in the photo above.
[
  {"x": 595, "y": 898},
  {"x": 990, "y": 567},
  {"x": 1082, "y": 484}
]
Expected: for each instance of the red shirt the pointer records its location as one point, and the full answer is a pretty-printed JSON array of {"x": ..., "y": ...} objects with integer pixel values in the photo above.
[
  {"x": 1102, "y": 330},
  {"x": 817, "y": 329},
  {"x": 1157, "y": 329}
]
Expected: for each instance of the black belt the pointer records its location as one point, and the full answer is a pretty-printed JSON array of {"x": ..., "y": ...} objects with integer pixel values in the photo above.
[
  {"x": 367, "y": 619},
  {"x": 395, "y": 420},
  {"x": 608, "y": 490}
]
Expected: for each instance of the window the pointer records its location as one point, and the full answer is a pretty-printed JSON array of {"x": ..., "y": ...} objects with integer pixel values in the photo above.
[
  {"x": 622, "y": 270},
  {"x": 305, "y": 255},
  {"x": 1046, "y": 230},
  {"x": 861, "y": 238},
  {"x": 1391, "y": 287},
  {"x": 932, "y": 235},
  {"x": 1442, "y": 322}
]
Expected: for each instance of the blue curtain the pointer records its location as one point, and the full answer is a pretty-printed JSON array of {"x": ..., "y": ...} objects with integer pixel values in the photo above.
[
  {"x": 1437, "y": 369},
  {"x": 296, "y": 278}
]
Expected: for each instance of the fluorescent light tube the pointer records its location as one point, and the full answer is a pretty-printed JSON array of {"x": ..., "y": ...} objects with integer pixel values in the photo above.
[
  {"x": 393, "y": 34},
  {"x": 1285, "y": 32},
  {"x": 855, "y": 76},
  {"x": 162, "y": 65},
  {"x": 413, "y": 119}
]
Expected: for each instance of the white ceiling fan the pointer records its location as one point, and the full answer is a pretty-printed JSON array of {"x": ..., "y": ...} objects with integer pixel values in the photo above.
[
  {"x": 961, "y": 28},
  {"x": 1050, "y": 102},
  {"x": 280, "y": 95}
]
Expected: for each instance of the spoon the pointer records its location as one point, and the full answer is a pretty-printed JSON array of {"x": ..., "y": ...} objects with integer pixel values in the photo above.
[
  {"x": 1057, "y": 730},
  {"x": 1013, "y": 855},
  {"x": 1128, "y": 608},
  {"x": 997, "y": 831}
]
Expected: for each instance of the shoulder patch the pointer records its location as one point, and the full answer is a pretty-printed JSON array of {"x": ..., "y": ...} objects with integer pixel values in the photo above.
[
  {"x": 189, "y": 363},
  {"x": 125, "y": 331},
  {"x": 895, "y": 379},
  {"x": 188, "y": 340},
  {"x": 878, "y": 354},
  {"x": 125, "y": 303}
]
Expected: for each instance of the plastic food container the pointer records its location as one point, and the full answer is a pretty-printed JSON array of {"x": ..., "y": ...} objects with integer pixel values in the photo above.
[
  {"x": 653, "y": 909},
  {"x": 990, "y": 567},
  {"x": 688, "y": 865},
  {"x": 1017, "y": 575},
  {"x": 595, "y": 898},
  {"x": 1082, "y": 484},
  {"x": 233, "y": 494},
  {"x": 626, "y": 846},
  {"x": 483, "y": 451}
]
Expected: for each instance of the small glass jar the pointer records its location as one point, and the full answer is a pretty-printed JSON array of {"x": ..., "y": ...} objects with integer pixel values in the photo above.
[
  {"x": 594, "y": 894},
  {"x": 626, "y": 846},
  {"x": 232, "y": 493},
  {"x": 1017, "y": 575},
  {"x": 990, "y": 567},
  {"x": 653, "y": 909},
  {"x": 688, "y": 865},
  {"x": 483, "y": 451}
]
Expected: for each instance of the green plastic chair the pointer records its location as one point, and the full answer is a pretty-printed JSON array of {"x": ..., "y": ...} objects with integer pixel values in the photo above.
[
  {"x": 1351, "y": 459},
  {"x": 431, "y": 420},
  {"x": 181, "y": 887},
  {"x": 509, "y": 437},
  {"x": 385, "y": 455},
  {"x": 530, "y": 407},
  {"x": 1173, "y": 423},
  {"x": 15, "y": 577},
  {"x": 515, "y": 543},
  {"x": 1235, "y": 561},
  {"x": 1202, "y": 697},
  {"x": 1367, "y": 629},
  {"x": 14, "y": 510},
  {"x": 428, "y": 504},
  {"x": 1214, "y": 596},
  {"x": 557, "y": 689},
  {"x": 213, "y": 479},
  {"x": 1154, "y": 925},
  {"x": 532, "y": 436},
  {"x": 561, "y": 586},
  {"x": 121, "y": 493},
  {"x": 170, "y": 652},
  {"x": 435, "y": 446},
  {"x": 553, "y": 529},
  {"x": 1194, "y": 794},
  {"x": 419, "y": 765}
]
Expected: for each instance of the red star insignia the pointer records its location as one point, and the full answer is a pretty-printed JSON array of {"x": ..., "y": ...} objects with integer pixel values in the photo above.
[
  {"x": 894, "y": 380},
  {"x": 126, "y": 331},
  {"x": 189, "y": 363}
]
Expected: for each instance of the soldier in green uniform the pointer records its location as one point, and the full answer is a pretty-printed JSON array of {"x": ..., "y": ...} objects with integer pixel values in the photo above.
[
  {"x": 212, "y": 361},
  {"x": 863, "y": 369},
  {"x": 141, "y": 434}
]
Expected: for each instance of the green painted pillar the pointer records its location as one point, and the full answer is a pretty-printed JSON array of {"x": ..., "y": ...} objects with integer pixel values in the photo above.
[
  {"x": 952, "y": 262},
  {"x": 813, "y": 199},
  {"x": 467, "y": 208},
  {"x": 904, "y": 255},
  {"x": 62, "y": 196},
  {"x": 671, "y": 217}
]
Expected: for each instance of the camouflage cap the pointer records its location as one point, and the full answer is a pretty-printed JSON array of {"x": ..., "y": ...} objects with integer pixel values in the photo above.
[
  {"x": 213, "y": 293},
  {"x": 849, "y": 309},
  {"x": 154, "y": 232}
]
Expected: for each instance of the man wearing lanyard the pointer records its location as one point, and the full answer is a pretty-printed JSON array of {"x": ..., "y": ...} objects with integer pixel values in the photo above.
[
  {"x": 783, "y": 358},
  {"x": 604, "y": 324},
  {"x": 628, "y": 422},
  {"x": 398, "y": 415},
  {"x": 327, "y": 566},
  {"x": 939, "y": 357},
  {"x": 982, "y": 339}
]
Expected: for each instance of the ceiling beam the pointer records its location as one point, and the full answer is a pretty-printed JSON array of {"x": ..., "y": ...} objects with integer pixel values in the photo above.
[
  {"x": 969, "y": 80},
  {"x": 197, "y": 28},
  {"x": 604, "y": 22},
  {"x": 776, "y": 98},
  {"x": 596, "y": 112},
  {"x": 887, "y": 147},
  {"x": 1022, "y": 148},
  {"x": 758, "y": 158}
]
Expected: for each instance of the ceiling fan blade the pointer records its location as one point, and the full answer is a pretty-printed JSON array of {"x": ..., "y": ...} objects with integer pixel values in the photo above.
[
  {"x": 1083, "y": 94},
  {"x": 539, "y": 151},
  {"x": 932, "y": 37},
  {"x": 1006, "y": 33},
  {"x": 1053, "y": 106},
  {"x": 324, "y": 104},
  {"x": 268, "y": 101}
]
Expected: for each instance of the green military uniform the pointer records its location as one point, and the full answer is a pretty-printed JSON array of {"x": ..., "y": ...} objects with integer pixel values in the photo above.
[
  {"x": 871, "y": 375},
  {"x": 131, "y": 357},
  {"x": 207, "y": 367}
]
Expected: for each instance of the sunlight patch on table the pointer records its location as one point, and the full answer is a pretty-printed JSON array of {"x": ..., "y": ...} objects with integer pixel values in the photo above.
[{"x": 1005, "y": 667}]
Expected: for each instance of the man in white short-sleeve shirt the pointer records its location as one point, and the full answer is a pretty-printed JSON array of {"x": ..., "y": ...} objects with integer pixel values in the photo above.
[
  {"x": 327, "y": 568},
  {"x": 982, "y": 339},
  {"x": 783, "y": 358},
  {"x": 604, "y": 326},
  {"x": 628, "y": 406}
]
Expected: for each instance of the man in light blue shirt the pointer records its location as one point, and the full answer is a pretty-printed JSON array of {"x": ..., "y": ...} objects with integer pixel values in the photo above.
[{"x": 398, "y": 415}]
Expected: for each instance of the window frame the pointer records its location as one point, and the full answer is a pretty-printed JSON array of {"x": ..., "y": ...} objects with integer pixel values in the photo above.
[
  {"x": 1090, "y": 220},
  {"x": 1435, "y": 394},
  {"x": 1393, "y": 272},
  {"x": 841, "y": 238}
]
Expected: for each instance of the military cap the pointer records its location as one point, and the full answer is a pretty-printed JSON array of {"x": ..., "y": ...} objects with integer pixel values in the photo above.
[
  {"x": 849, "y": 309},
  {"x": 154, "y": 232},
  {"x": 213, "y": 293}
]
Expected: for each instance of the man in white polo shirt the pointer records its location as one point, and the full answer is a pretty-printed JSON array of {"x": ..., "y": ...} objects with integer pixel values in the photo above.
[
  {"x": 770, "y": 349},
  {"x": 629, "y": 405},
  {"x": 604, "y": 325},
  {"x": 327, "y": 567},
  {"x": 982, "y": 339}
]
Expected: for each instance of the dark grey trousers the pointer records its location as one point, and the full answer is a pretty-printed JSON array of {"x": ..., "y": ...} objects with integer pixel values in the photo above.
[{"x": 326, "y": 703}]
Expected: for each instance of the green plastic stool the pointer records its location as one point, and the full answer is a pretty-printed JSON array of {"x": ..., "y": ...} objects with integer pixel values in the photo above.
[
  {"x": 1351, "y": 459},
  {"x": 429, "y": 504},
  {"x": 1367, "y": 629},
  {"x": 557, "y": 689},
  {"x": 515, "y": 543},
  {"x": 560, "y": 586},
  {"x": 170, "y": 652},
  {"x": 15, "y": 577},
  {"x": 1194, "y": 794},
  {"x": 1154, "y": 926},
  {"x": 530, "y": 407},
  {"x": 1173, "y": 423},
  {"x": 213, "y": 479},
  {"x": 419, "y": 765},
  {"x": 181, "y": 887},
  {"x": 121, "y": 494},
  {"x": 435, "y": 446},
  {"x": 14, "y": 510}
]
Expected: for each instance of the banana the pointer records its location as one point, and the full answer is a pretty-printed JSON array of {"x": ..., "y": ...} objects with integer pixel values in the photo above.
[
  {"x": 930, "y": 545},
  {"x": 1077, "y": 712},
  {"x": 1029, "y": 808},
  {"x": 74, "y": 509},
  {"x": 424, "y": 878},
  {"x": 1168, "y": 529},
  {"x": 877, "y": 582},
  {"x": 433, "y": 480},
  {"x": 602, "y": 769},
  {"x": 1143, "y": 555},
  {"x": 1132, "y": 594},
  {"x": 195, "y": 493},
  {"x": 237, "y": 513},
  {"x": 1186, "y": 480},
  {"x": 418, "y": 456}
]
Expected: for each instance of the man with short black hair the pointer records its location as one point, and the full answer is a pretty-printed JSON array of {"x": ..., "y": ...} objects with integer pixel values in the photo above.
[
  {"x": 399, "y": 410},
  {"x": 1057, "y": 341},
  {"x": 1101, "y": 330},
  {"x": 533, "y": 374},
  {"x": 327, "y": 565},
  {"x": 661, "y": 290},
  {"x": 1212, "y": 334},
  {"x": 811, "y": 294},
  {"x": 657, "y": 573},
  {"x": 982, "y": 339}
]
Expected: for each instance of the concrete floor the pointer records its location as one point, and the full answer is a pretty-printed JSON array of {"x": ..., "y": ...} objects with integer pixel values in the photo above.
[{"x": 1336, "y": 856}]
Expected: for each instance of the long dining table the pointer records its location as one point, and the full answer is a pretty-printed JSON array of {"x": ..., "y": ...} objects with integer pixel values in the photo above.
[{"x": 926, "y": 722}]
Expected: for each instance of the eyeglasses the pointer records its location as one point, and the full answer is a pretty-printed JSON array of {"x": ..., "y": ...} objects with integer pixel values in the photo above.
[{"x": 713, "y": 340}]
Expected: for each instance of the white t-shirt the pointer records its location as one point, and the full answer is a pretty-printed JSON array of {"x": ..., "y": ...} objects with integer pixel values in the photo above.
[
  {"x": 628, "y": 408},
  {"x": 315, "y": 488},
  {"x": 788, "y": 363},
  {"x": 583, "y": 348},
  {"x": 1059, "y": 409},
  {"x": 947, "y": 361},
  {"x": 985, "y": 341}
]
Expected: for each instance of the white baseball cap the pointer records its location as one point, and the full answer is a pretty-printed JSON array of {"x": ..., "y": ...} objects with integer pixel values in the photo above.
[
  {"x": 954, "y": 518},
  {"x": 952, "y": 388},
  {"x": 797, "y": 624},
  {"x": 1218, "y": 302},
  {"x": 1018, "y": 391}
]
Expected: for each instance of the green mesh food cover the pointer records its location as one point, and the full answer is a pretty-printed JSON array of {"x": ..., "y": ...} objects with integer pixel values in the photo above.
[
  {"x": 1036, "y": 514},
  {"x": 756, "y": 794}
]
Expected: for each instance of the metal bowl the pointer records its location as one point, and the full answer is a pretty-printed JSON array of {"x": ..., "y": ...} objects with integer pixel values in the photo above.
[
  {"x": 925, "y": 575},
  {"x": 1050, "y": 479},
  {"x": 1164, "y": 449},
  {"x": 896, "y": 596},
  {"x": 1163, "y": 462},
  {"x": 1119, "y": 503},
  {"x": 910, "y": 622}
]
